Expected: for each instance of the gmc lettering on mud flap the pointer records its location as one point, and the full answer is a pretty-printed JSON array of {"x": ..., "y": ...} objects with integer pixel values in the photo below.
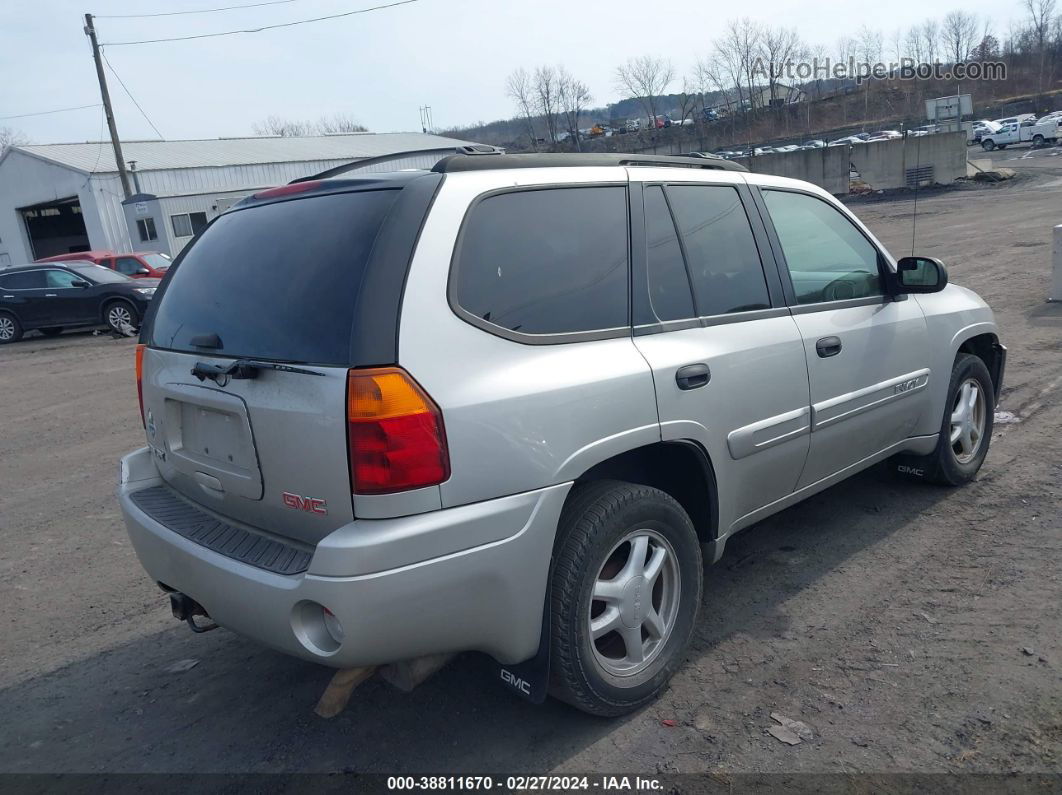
[
  {"x": 513, "y": 681},
  {"x": 308, "y": 504},
  {"x": 904, "y": 469}
]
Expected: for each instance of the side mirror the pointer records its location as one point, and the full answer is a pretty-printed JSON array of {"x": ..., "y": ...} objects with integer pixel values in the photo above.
[
  {"x": 921, "y": 275},
  {"x": 143, "y": 272},
  {"x": 79, "y": 283}
]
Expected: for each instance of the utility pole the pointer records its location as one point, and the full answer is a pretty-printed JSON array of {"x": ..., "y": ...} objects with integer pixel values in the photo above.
[{"x": 90, "y": 31}]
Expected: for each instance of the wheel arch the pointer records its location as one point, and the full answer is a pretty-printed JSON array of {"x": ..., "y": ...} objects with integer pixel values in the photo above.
[
  {"x": 110, "y": 300},
  {"x": 680, "y": 468},
  {"x": 985, "y": 346}
]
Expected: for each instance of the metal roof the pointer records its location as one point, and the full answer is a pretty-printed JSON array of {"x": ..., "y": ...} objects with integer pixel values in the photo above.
[{"x": 220, "y": 152}]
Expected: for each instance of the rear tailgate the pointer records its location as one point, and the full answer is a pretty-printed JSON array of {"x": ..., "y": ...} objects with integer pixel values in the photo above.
[{"x": 275, "y": 286}]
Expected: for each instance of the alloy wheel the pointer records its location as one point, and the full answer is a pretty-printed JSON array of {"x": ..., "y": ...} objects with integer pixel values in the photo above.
[
  {"x": 968, "y": 418},
  {"x": 7, "y": 328},
  {"x": 119, "y": 317},
  {"x": 634, "y": 604}
]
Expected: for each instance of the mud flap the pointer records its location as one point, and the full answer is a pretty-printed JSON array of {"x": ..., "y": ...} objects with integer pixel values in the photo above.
[
  {"x": 530, "y": 678},
  {"x": 916, "y": 467}
]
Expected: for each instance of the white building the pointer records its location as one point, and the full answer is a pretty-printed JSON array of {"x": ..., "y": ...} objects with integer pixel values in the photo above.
[{"x": 61, "y": 198}]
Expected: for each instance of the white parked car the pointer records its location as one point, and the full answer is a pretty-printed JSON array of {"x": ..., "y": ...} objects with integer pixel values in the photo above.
[{"x": 1030, "y": 131}]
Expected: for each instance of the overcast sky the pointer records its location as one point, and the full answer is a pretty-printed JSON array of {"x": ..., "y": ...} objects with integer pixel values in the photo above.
[{"x": 379, "y": 67}]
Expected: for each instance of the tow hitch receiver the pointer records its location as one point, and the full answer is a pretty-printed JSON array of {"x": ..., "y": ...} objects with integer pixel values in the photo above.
[{"x": 185, "y": 609}]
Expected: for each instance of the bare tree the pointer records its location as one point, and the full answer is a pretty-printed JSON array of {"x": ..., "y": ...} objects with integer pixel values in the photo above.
[
  {"x": 547, "y": 100},
  {"x": 11, "y": 137},
  {"x": 912, "y": 42},
  {"x": 930, "y": 33},
  {"x": 519, "y": 88},
  {"x": 339, "y": 123},
  {"x": 285, "y": 128},
  {"x": 573, "y": 98},
  {"x": 959, "y": 35},
  {"x": 645, "y": 78},
  {"x": 778, "y": 47},
  {"x": 687, "y": 99},
  {"x": 1041, "y": 17}
]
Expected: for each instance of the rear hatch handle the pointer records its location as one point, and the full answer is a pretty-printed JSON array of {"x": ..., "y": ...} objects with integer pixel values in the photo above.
[{"x": 242, "y": 369}]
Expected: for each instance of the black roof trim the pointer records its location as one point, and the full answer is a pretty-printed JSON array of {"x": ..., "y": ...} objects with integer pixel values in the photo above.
[
  {"x": 471, "y": 149},
  {"x": 462, "y": 162}
]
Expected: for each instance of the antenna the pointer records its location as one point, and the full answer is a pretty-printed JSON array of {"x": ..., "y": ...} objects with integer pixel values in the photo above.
[{"x": 914, "y": 211}]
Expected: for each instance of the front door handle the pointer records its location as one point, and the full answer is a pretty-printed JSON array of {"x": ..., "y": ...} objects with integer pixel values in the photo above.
[
  {"x": 828, "y": 346},
  {"x": 693, "y": 376},
  {"x": 49, "y": 295}
]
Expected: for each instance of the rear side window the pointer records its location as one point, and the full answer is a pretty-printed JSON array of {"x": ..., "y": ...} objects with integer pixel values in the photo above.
[
  {"x": 669, "y": 286},
  {"x": 27, "y": 280},
  {"x": 277, "y": 281},
  {"x": 551, "y": 261},
  {"x": 723, "y": 259}
]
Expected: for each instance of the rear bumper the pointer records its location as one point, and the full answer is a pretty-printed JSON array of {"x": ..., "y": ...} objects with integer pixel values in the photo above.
[{"x": 486, "y": 597}]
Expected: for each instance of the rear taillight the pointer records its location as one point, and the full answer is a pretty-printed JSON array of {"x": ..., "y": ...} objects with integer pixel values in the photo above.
[
  {"x": 395, "y": 433},
  {"x": 140, "y": 381}
]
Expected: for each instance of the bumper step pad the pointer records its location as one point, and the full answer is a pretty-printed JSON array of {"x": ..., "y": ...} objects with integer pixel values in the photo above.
[{"x": 183, "y": 518}]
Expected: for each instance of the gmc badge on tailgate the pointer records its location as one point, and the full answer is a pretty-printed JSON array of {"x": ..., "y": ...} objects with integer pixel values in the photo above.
[{"x": 308, "y": 504}]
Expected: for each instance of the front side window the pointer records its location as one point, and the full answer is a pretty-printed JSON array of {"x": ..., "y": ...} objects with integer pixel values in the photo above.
[
  {"x": 60, "y": 279},
  {"x": 127, "y": 265},
  {"x": 828, "y": 258},
  {"x": 550, "y": 261},
  {"x": 724, "y": 262}
]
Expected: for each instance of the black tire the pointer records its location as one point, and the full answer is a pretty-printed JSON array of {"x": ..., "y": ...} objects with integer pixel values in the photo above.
[
  {"x": 109, "y": 314},
  {"x": 945, "y": 465},
  {"x": 598, "y": 516},
  {"x": 10, "y": 328},
  {"x": 51, "y": 331},
  {"x": 988, "y": 145},
  {"x": 1038, "y": 140}
]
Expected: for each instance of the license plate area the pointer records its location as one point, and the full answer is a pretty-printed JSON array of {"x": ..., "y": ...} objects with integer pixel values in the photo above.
[{"x": 209, "y": 439}]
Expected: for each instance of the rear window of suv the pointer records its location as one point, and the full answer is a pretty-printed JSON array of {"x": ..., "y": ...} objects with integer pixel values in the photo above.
[{"x": 278, "y": 281}]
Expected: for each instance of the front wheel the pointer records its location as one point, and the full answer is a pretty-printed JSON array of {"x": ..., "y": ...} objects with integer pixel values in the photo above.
[
  {"x": 988, "y": 146},
  {"x": 966, "y": 428},
  {"x": 625, "y": 590}
]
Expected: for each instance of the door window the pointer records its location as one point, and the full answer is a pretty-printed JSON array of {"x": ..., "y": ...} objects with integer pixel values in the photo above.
[
  {"x": 127, "y": 265},
  {"x": 550, "y": 261},
  {"x": 669, "y": 284},
  {"x": 828, "y": 258},
  {"x": 26, "y": 280},
  {"x": 59, "y": 279},
  {"x": 724, "y": 262}
]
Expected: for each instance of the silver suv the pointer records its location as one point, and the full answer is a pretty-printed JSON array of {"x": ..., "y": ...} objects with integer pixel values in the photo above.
[{"x": 513, "y": 404}]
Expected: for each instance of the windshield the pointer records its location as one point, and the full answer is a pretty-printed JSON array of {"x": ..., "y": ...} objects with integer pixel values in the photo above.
[
  {"x": 278, "y": 281},
  {"x": 97, "y": 273},
  {"x": 159, "y": 262}
]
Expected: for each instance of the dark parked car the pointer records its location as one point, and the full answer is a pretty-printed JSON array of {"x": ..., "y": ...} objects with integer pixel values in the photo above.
[{"x": 52, "y": 296}]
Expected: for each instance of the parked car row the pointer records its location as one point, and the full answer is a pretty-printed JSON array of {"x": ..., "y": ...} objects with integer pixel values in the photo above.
[
  {"x": 52, "y": 296},
  {"x": 1022, "y": 129}
]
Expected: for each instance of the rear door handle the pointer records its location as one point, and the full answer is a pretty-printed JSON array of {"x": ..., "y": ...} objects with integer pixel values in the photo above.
[
  {"x": 693, "y": 376},
  {"x": 828, "y": 346},
  {"x": 49, "y": 295}
]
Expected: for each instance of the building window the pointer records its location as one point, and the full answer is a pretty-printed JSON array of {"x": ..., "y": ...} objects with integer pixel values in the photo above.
[
  {"x": 146, "y": 227},
  {"x": 188, "y": 224}
]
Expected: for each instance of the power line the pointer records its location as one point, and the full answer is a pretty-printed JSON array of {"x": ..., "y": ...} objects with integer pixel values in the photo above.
[
  {"x": 130, "y": 94},
  {"x": 264, "y": 27},
  {"x": 198, "y": 11},
  {"x": 48, "y": 112}
]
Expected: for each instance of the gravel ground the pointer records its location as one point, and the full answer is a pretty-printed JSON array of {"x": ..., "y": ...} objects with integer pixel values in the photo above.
[{"x": 911, "y": 628}]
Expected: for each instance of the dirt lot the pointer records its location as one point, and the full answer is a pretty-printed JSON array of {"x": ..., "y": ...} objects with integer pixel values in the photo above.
[{"x": 912, "y": 628}]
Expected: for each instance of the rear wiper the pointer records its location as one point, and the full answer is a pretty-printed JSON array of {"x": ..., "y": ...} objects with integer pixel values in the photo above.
[{"x": 243, "y": 369}]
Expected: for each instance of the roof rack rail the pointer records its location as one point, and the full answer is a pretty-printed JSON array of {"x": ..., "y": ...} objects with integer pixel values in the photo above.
[
  {"x": 469, "y": 149},
  {"x": 457, "y": 162}
]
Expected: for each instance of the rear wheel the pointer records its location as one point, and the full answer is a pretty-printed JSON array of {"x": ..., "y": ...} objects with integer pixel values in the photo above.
[
  {"x": 52, "y": 331},
  {"x": 10, "y": 329},
  {"x": 1038, "y": 140},
  {"x": 121, "y": 316},
  {"x": 626, "y": 586}
]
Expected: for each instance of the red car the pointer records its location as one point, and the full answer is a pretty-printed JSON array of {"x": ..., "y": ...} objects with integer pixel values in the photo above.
[{"x": 139, "y": 265}]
